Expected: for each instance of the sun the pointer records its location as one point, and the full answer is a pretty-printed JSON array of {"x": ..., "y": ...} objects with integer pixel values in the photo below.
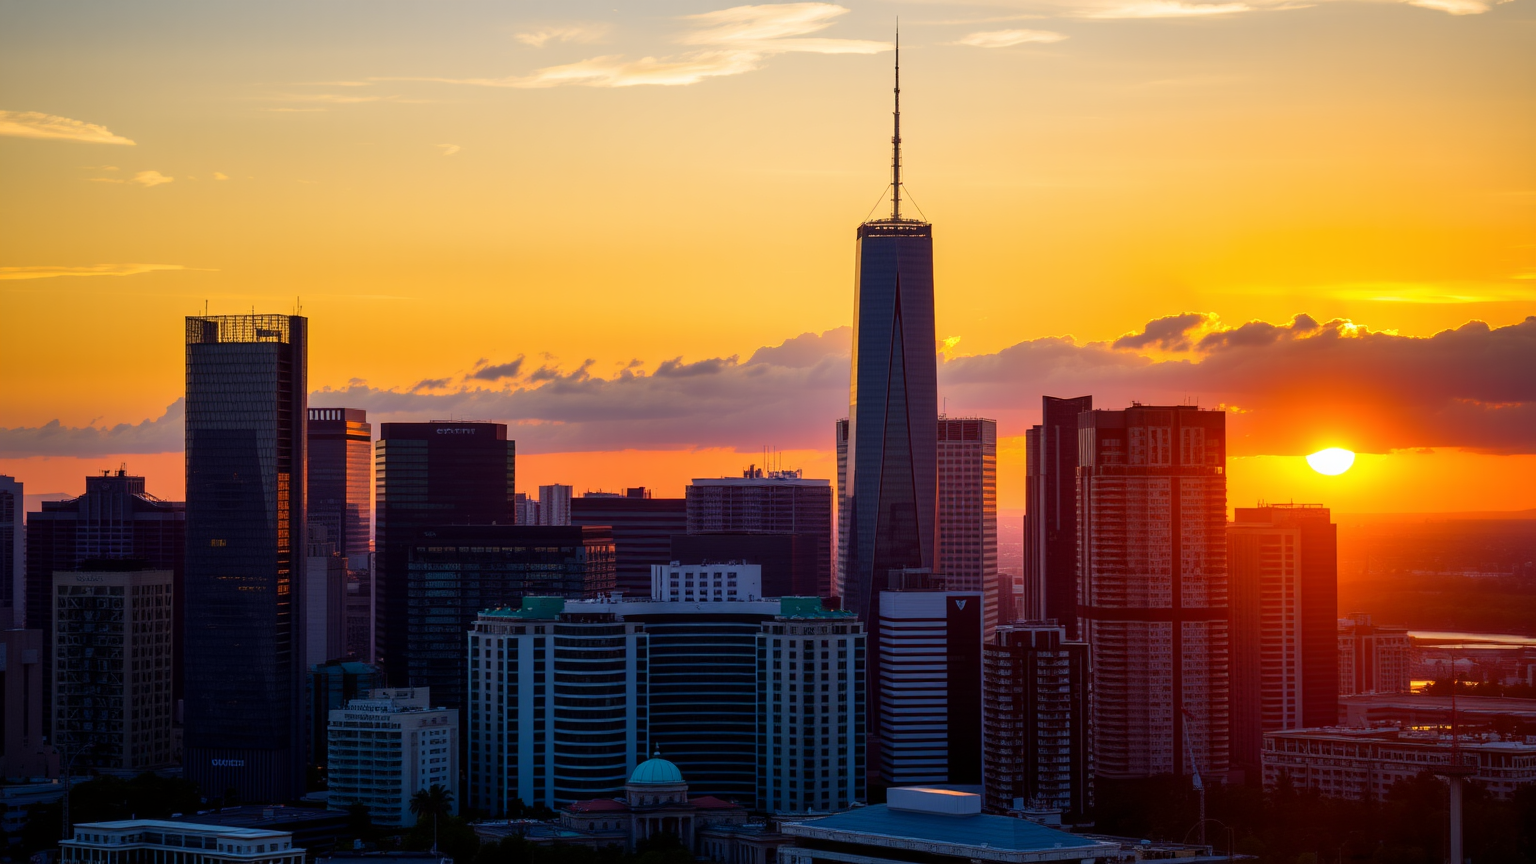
[{"x": 1333, "y": 461}]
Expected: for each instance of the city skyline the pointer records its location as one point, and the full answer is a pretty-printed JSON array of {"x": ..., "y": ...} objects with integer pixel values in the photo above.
[{"x": 1375, "y": 266}]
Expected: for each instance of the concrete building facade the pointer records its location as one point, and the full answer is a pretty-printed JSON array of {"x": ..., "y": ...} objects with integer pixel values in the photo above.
[
  {"x": 1373, "y": 658},
  {"x": 1036, "y": 747},
  {"x": 383, "y": 749},
  {"x": 967, "y": 460}
]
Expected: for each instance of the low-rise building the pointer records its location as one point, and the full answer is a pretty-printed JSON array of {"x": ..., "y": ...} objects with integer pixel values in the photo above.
[
  {"x": 934, "y": 826},
  {"x": 1362, "y": 764},
  {"x": 137, "y": 841},
  {"x": 383, "y": 749},
  {"x": 1373, "y": 658}
]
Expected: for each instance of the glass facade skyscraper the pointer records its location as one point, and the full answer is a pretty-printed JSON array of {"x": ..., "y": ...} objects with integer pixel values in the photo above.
[
  {"x": 245, "y": 434},
  {"x": 341, "y": 479},
  {"x": 430, "y": 475}
]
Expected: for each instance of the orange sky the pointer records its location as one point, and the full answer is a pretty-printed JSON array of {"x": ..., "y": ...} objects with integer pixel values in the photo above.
[{"x": 441, "y": 184}]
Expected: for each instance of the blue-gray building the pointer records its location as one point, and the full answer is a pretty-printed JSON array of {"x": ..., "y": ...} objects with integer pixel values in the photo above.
[{"x": 244, "y": 664}]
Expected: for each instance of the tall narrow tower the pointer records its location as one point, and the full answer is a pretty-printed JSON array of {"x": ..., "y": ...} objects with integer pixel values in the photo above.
[{"x": 893, "y": 405}]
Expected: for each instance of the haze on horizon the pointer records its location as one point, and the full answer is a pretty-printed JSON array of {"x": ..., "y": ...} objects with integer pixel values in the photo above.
[{"x": 630, "y": 232}]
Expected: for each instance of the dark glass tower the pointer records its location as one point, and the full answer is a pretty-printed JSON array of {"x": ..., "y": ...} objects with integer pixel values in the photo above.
[
  {"x": 246, "y": 392},
  {"x": 341, "y": 479},
  {"x": 430, "y": 475},
  {"x": 893, "y": 411}
]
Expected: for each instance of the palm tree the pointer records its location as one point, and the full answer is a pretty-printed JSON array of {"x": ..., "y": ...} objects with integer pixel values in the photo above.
[{"x": 434, "y": 801}]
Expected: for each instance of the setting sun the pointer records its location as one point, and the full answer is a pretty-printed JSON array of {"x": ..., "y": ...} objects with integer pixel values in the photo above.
[{"x": 1332, "y": 461}]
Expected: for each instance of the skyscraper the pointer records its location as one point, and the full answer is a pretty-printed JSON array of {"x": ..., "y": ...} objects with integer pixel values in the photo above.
[
  {"x": 1036, "y": 742},
  {"x": 771, "y": 502},
  {"x": 1152, "y": 513},
  {"x": 1050, "y": 513},
  {"x": 245, "y": 431},
  {"x": 340, "y": 497},
  {"x": 840, "y": 554},
  {"x": 555, "y": 504},
  {"x": 1282, "y": 561},
  {"x": 13, "y": 552},
  {"x": 967, "y": 462},
  {"x": 116, "y": 518},
  {"x": 893, "y": 411},
  {"x": 643, "y": 528},
  {"x": 429, "y": 475}
]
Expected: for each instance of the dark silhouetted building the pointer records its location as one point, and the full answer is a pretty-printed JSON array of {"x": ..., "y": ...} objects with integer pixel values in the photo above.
[
  {"x": 929, "y": 728},
  {"x": 430, "y": 475},
  {"x": 247, "y": 378},
  {"x": 790, "y": 562},
  {"x": 13, "y": 552},
  {"x": 774, "y": 502},
  {"x": 455, "y": 572},
  {"x": 1050, "y": 513},
  {"x": 341, "y": 498},
  {"x": 1152, "y": 541},
  {"x": 967, "y": 462},
  {"x": 115, "y": 519},
  {"x": 840, "y": 554},
  {"x": 331, "y": 686},
  {"x": 1282, "y": 562},
  {"x": 1036, "y": 746},
  {"x": 24, "y": 748},
  {"x": 112, "y": 666},
  {"x": 325, "y": 599},
  {"x": 643, "y": 528}
]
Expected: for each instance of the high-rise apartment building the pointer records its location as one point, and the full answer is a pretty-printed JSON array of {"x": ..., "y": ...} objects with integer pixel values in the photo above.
[
  {"x": 25, "y": 748},
  {"x": 1373, "y": 658},
  {"x": 112, "y": 655},
  {"x": 527, "y": 509},
  {"x": 1282, "y": 566},
  {"x": 554, "y": 505},
  {"x": 430, "y": 475},
  {"x": 840, "y": 554},
  {"x": 118, "y": 519},
  {"x": 385, "y": 748},
  {"x": 967, "y": 460},
  {"x": 1050, "y": 513},
  {"x": 709, "y": 678},
  {"x": 643, "y": 528},
  {"x": 928, "y": 724},
  {"x": 455, "y": 571},
  {"x": 557, "y": 705},
  {"x": 1152, "y": 510},
  {"x": 13, "y": 552},
  {"x": 245, "y": 440},
  {"x": 340, "y": 497},
  {"x": 1036, "y": 748},
  {"x": 892, "y": 435},
  {"x": 771, "y": 502}
]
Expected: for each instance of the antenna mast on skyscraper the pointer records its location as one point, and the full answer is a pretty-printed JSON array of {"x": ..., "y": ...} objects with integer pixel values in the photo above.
[{"x": 896, "y": 138}]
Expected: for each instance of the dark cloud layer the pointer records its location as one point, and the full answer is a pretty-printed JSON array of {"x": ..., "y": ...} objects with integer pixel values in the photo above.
[{"x": 1290, "y": 388}]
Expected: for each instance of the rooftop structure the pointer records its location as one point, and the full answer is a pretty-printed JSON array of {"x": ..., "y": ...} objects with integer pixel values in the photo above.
[
  {"x": 131, "y": 841},
  {"x": 937, "y": 826}
]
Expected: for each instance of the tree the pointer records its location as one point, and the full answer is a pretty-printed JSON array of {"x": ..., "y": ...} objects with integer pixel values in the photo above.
[{"x": 435, "y": 801}]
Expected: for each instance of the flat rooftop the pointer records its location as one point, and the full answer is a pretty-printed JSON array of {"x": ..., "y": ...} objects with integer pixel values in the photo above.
[{"x": 978, "y": 836}]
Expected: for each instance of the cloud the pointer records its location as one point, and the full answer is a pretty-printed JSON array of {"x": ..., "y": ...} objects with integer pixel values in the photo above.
[
  {"x": 1167, "y": 9},
  {"x": 497, "y": 371},
  {"x": 726, "y": 42},
  {"x": 582, "y": 33},
  {"x": 152, "y": 178},
  {"x": 160, "y": 435},
  {"x": 449, "y": 149},
  {"x": 1454, "y": 7},
  {"x": 219, "y": 175},
  {"x": 48, "y": 272},
  {"x": 34, "y": 124},
  {"x": 1288, "y": 389},
  {"x": 1007, "y": 38}
]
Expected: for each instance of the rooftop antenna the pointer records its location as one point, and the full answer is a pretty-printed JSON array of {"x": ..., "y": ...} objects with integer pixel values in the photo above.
[{"x": 896, "y": 137}]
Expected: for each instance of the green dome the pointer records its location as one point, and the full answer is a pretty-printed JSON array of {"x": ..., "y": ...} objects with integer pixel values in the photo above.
[{"x": 656, "y": 772}]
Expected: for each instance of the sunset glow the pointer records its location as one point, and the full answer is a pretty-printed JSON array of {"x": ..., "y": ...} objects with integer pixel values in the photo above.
[{"x": 1332, "y": 461}]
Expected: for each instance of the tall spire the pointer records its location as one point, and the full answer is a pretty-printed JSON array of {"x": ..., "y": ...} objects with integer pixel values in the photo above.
[{"x": 896, "y": 137}]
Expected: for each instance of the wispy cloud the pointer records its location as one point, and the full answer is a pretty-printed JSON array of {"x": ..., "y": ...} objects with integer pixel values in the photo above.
[
  {"x": 1008, "y": 38},
  {"x": 220, "y": 175},
  {"x": 34, "y": 124},
  {"x": 1454, "y": 7},
  {"x": 726, "y": 42},
  {"x": 152, "y": 178},
  {"x": 1167, "y": 9},
  {"x": 580, "y": 33},
  {"x": 449, "y": 149},
  {"x": 49, "y": 272}
]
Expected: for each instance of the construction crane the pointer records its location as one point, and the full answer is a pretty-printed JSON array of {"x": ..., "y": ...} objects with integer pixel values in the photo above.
[{"x": 1194, "y": 768}]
